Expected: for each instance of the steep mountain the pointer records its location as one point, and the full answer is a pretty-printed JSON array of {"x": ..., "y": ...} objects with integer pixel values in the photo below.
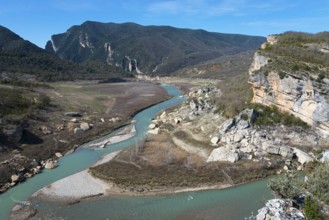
[
  {"x": 291, "y": 71},
  {"x": 18, "y": 56},
  {"x": 153, "y": 50}
]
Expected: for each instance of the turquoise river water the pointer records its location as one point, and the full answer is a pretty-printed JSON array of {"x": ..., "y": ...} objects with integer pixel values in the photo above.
[{"x": 232, "y": 203}]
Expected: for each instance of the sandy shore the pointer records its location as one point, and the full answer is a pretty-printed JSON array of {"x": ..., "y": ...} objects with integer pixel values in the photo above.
[{"x": 83, "y": 184}]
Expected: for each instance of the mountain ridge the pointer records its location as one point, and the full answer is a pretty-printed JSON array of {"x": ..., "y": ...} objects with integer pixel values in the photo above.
[{"x": 154, "y": 50}]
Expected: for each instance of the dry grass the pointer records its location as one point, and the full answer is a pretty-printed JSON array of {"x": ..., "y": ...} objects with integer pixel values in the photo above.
[{"x": 158, "y": 164}]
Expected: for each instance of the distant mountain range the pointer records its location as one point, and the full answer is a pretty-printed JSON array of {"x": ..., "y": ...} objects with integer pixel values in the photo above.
[
  {"x": 152, "y": 50},
  {"x": 104, "y": 50},
  {"x": 22, "y": 57}
]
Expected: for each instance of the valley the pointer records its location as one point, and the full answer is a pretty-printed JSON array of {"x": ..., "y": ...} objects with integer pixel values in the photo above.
[{"x": 247, "y": 110}]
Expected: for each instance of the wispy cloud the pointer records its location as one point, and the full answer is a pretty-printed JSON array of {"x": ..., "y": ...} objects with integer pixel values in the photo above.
[{"x": 216, "y": 8}]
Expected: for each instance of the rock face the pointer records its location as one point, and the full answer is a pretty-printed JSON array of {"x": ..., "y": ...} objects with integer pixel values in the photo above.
[
  {"x": 295, "y": 93},
  {"x": 278, "y": 209}
]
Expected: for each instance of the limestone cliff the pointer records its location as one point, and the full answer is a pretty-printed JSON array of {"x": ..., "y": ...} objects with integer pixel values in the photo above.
[{"x": 298, "y": 91}]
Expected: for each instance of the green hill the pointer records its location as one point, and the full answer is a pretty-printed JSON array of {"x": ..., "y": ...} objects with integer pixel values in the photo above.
[{"x": 22, "y": 57}]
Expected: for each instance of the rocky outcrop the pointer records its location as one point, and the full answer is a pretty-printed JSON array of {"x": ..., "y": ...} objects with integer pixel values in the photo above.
[
  {"x": 278, "y": 209},
  {"x": 292, "y": 92},
  {"x": 254, "y": 143}
]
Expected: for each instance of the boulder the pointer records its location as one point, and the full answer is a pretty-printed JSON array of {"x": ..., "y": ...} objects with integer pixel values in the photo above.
[
  {"x": 15, "y": 178},
  {"x": 302, "y": 156},
  {"x": 50, "y": 164},
  {"x": 325, "y": 157},
  {"x": 286, "y": 152},
  {"x": 115, "y": 120},
  {"x": 273, "y": 150},
  {"x": 223, "y": 154},
  {"x": 214, "y": 140},
  {"x": 227, "y": 125},
  {"x": 238, "y": 137},
  {"x": 58, "y": 154},
  {"x": 152, "y": 126},
  {"x": 84, "y": 126}
]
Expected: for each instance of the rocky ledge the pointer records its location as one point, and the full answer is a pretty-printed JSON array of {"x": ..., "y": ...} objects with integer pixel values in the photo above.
[{"x": 292, "y": 91}]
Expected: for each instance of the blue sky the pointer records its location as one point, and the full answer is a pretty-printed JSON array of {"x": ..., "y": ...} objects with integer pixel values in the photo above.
[{"x": 37, "y": 20}]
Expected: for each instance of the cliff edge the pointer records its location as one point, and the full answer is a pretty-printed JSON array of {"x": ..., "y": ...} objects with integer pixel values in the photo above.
[{"x": 291, "y": 72}]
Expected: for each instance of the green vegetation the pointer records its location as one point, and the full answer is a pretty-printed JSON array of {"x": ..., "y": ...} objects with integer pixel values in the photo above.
[
  {"x": 17, "y": 102},
  {"x": 270, "y": 115},
  {"x": 171, "y": 47},
  {"x": 292, "y": 185},
  {"x": 236, "y": 95},
  {"x": 19, "y": 56},
  {"x": 300, "y": 53},
  {"x": 312, "y": 209}
]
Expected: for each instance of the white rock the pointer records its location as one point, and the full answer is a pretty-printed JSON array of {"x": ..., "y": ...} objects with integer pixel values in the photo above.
[
  {"x": 223, "y": 154},
  {"x": 238, "y": 137},
  {"x": 152, "y": 126},
  {"x": 50, "y": 164},
  {"x": 14, "y": 178},
  {"x": 154, "y": 131},
  {"x": 214, "y": 140},
  {"x": 302, "y": 156},
  {"x": 163, "y": 115},
  {"x": 58, "y": 154},
  {"x": 325, "y": 157},
  {"x": 227, "y": 125},
  {"x": 278, "y": 209},
  {"x": 84, "y": 126}
]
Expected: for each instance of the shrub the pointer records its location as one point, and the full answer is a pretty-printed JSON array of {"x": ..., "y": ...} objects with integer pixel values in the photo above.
[
  {"x": 312, "y": 209},
  {"x": 43, "y": 100},
  {"x": 270, "y": 115}
]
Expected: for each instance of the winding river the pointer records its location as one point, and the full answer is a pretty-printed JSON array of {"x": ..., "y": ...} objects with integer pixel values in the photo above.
[{"x": 233, "y": 203}]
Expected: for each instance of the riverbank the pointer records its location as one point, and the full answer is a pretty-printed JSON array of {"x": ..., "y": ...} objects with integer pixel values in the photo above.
[{"x": 79, "y": 112}]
